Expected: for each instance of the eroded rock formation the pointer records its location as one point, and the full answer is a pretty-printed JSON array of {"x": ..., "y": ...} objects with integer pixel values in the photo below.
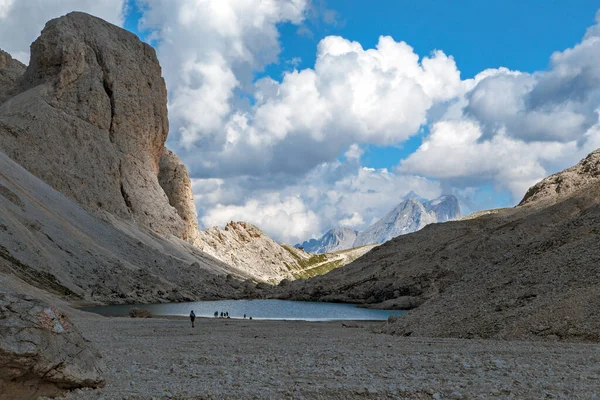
[
  {"x": 564, "y": 183},
  {"x": 89, "y": 117},
  {"x": 175, "y": 181}
]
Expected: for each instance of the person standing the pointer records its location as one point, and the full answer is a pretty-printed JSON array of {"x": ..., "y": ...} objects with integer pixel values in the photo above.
[{"x": 192, "y": 317}]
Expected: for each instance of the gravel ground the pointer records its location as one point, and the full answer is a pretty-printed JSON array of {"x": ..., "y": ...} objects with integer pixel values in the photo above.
[{"x": 241, "y": 359}]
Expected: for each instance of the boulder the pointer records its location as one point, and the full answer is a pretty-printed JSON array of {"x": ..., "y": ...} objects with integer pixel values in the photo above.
[
  {"x": 89, "y": 117},
  {"x": 41, "y": 352},
  {"x": 139, "y": 313}
]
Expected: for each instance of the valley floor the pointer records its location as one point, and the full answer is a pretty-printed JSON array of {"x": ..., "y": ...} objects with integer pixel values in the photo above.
[{"x": 241, "y": 359}]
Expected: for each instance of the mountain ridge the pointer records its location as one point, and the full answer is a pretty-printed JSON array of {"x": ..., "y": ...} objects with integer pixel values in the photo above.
[{"x": 410, "y": 215}]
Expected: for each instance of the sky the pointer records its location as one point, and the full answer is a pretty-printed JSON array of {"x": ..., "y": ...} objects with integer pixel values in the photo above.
[{"x": 303, "y": 115}]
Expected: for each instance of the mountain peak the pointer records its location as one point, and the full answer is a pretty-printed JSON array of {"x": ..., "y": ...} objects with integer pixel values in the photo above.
[{"x": 333, "y": 240}]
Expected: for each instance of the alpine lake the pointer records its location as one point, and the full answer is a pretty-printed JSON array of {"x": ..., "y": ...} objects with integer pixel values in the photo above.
[{"x": 256, "y": 309}]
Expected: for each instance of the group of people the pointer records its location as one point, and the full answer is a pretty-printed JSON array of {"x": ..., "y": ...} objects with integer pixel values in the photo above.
[{"x": 222, "y": 314}]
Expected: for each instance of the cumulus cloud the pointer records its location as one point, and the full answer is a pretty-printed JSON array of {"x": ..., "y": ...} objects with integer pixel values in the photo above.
[
  {"x": 453, "y": 152},
  {"x": 210, "y": 52},
  {"x": 285, "y": 218},
  {"x": 512, "y": 128},
  {"x": 22, "y": 21}
]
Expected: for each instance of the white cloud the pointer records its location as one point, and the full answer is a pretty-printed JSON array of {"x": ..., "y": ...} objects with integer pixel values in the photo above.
[
  {"x": 21, "y": 21},
  {"x": 286, "y": 218},
  {"x": 513, "y": 129},
  {"x": 353, "y": 221},
  {"x": 331, "y": 195},
  {"x": 210, "y": 51},
  {"x": 455, "y": 152}
]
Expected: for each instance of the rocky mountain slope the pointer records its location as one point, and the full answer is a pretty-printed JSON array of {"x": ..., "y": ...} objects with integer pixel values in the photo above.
[
  {"x": 333, "y": 240},
  {"x": 51, "y": 242},
  {"x": 411, "y": 215},
  {"x": 247, "y": 248},
  {"x": 527, "y": 272}
]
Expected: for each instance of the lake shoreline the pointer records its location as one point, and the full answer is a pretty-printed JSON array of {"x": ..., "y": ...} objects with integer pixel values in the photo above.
[{"x": 260, "y": 309}]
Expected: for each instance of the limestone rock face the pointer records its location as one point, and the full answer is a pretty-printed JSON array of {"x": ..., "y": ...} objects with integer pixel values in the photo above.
[
  {"x": 175, "y": 181},
  {"x": 247, "y": 248},
  {"x": 90, "y": 119},
  {"x": 244, "y": 246},
  {"x": 565, "y": 182},
  {"x": 41, "y": 352},
  {"x": 10, "y": 72}
]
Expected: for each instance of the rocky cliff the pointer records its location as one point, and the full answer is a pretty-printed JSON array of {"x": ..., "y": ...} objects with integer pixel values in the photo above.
[
  {"x": 175, "y": 181},
  {"x": 527, "y": 272},
  {"x": 247, "y": 248},
  {"x": 89, "y": 117}
]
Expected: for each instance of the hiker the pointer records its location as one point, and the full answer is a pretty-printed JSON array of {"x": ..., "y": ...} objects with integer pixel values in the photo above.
[{"x": 192, "y": 317}]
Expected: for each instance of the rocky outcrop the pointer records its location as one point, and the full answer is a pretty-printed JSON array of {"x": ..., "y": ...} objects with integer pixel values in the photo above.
[
  {"x": 10, "y": 72},
  {"x": 564, "y": 183},
  {"x": 527, "y": 272},
  {"x": 247, "y": 248},
  {"x": 333, "y": 240},
  {"x": 41, "y": 352},
  {"x": 175, "y": 181},
  {"x": 90, "y": 119}
]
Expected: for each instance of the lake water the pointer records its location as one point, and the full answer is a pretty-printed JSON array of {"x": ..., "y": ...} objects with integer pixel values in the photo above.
[{"x": 257, "y": 309}]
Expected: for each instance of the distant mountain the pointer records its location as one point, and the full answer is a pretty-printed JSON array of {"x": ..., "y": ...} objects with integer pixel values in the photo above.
[
  {"x": 411, "y": 215},
  {"x": 408, "y": 216},
  {"x": 334, "y": 240}
]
